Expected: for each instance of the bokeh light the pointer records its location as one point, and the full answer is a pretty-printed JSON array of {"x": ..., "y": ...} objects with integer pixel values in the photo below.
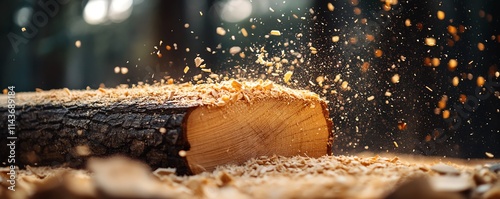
[
  {"x": 235, "y": 10},
  {"x": 23, "y": 16},
  {"x": 120, "y": 10},
  {"x": 95, "y": 11},
  {"x": 103, "y": 11}
]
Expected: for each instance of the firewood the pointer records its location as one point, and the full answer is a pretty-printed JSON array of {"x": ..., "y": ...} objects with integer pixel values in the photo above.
[{"x": 192, "y": 128}]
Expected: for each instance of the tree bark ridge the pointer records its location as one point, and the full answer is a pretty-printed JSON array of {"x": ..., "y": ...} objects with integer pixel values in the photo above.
[{"x": 50, "y": 135}]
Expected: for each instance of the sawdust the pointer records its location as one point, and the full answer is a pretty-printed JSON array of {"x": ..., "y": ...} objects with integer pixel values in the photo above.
[
  {"x": 187, "y": 94},
  {"x": 264, "y": 177}
]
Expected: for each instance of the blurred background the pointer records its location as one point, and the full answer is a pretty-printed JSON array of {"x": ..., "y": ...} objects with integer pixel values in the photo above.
[{"x": 418, "y": 77}]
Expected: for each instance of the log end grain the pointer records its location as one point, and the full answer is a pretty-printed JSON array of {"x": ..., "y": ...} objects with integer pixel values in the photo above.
[{"x": 271, "y": 126}]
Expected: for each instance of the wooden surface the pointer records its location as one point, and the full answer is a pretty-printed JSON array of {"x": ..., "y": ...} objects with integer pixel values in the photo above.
[{"x": 239, "y": 131}]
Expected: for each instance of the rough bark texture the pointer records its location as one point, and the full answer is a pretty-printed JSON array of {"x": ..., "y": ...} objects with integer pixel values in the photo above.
[{"x": 48, "y": 135}]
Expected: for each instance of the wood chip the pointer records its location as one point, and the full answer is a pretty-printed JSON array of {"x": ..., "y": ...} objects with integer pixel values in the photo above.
[
  {"x": 430, "y": 41},
  {"x": 288, "y": 76},
  {"x": 234, "y": 50},
  {"x": 198, "y": 61},
  {"x": 451, "y": 183},
  {"x": 220, "y": 31},
  {"x": 161, "y": 172},
  {"x": 330, "y": 7},
  {"x": 275, "y": 33},
  {"x": 244, "y": 32},
  {"x": 445, "y": 169}
]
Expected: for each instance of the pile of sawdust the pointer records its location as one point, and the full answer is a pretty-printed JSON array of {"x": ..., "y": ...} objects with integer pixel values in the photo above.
[
  {"x": 264, "y": 177},
  {"x": 217, "y": 94}
]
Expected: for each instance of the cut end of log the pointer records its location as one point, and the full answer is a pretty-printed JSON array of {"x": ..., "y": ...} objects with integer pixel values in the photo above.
[{"x": 240, "y": 131}]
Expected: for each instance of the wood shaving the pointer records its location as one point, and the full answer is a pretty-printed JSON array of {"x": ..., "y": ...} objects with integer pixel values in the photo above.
[
  {"x": 263, "y": 177},
  {"x": 182, "y": 94}
]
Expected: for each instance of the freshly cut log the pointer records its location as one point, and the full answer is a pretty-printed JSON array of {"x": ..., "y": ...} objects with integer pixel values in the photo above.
[{"x": 192, "y": 128}]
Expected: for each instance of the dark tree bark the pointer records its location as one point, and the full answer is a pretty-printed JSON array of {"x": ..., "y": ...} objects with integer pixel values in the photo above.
[{"x": 54, "y": 135}]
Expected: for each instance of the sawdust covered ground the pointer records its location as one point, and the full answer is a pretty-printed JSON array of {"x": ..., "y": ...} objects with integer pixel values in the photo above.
[{"x": 267, "y": 177}]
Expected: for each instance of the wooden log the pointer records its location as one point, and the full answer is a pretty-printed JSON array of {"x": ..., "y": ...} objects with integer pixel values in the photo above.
[{"x": 192, "y": 128}]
